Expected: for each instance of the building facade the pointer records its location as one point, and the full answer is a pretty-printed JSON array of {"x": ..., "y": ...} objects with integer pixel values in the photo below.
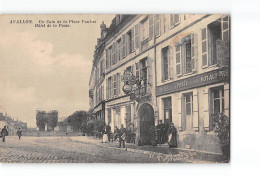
[{"x": 168, "y": 68}]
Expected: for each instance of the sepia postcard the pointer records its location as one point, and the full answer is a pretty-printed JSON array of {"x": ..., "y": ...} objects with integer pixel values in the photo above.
[{"x": 115, "y": 88}]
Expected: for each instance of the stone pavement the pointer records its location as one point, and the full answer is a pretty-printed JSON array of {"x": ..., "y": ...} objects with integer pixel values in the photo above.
[
  {"x": 63, "y": 150},
  {"x": 163, "y": 153}
]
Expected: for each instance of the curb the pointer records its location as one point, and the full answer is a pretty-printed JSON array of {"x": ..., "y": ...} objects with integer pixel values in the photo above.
[{"x": 179, "y": 157}]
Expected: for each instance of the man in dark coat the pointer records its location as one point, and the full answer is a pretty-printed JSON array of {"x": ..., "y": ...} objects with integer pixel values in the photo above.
[
  {"x": 19, "y": 133},
  {"x": 122, "y": 136},
  {"x": 4, "y": 133},
  {"x": 160, "y": 132}
]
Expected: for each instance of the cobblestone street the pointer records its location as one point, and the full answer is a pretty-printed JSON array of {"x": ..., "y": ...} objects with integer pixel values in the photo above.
[{"x": 64, "y": 150}]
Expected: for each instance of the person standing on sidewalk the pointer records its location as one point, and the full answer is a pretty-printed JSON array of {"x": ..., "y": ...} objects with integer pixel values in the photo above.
[
  {"x": 122, "y": 136},
  {"x": 159, "y": 130},
  {"x": 4, "y": 133},
  {"x": 19, "y": 133},
  {"x": 172, "y": 136},
  {"x": 116, "y": 133}
]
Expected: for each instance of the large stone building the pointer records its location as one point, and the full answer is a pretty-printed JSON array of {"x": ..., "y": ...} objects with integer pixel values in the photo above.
[{"x": 169, "y": 68}]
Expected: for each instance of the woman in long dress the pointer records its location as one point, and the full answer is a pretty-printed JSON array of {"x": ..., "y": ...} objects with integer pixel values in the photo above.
[
  {"x": 172, "y": 136},
  {"x": 105, "y": 135}
]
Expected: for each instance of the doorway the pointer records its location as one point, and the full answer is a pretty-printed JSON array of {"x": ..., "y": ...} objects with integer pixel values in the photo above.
[{"x": 146, "y": 117}]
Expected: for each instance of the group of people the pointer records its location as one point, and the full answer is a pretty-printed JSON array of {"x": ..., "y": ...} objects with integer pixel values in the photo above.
[
  {"x": 121, "y": 135},
  {"x": 160, "y": 134},
  {"x": 163, "y": 133},
  {"x": 4, "y": 133}
]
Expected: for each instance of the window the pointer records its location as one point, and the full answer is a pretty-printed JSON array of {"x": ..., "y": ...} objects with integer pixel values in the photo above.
[
  {"x": 114, "y": 53},
  {"x": 119, "y": 54},
  {"x": 143, "y": 71},
  {"x": 124, "y": 45},
  {"x": 217, "y": 100},
  {"x": 129, "y": 42},
  {"x": 165, "y": 63},
  {"x": 109, "y": 87},
  {"x": 188, "y": 101},
  {"x": 164, "y": 23},
  {"x": 132, "y": 39},
  {"x": 185, "y": 55},
  {"x": 216, "y": 103},
  {"x": 109, "y": 116},
  {"x": 107, "y": 58},
  {"x": 167, "y": 108},
  {"x": 137, "y": 36},
  {"x": 215, "y": 32},
  {"x": 137, "y": 71},
  {"x": 145, "y": 29},
  {"x": 150, "y": 26},
  {"x": 101, "y": 68},
  {"x": 157, "y": 24},
  {"x": 174, "y": 20},
  {"x": 114, "y": 85}
]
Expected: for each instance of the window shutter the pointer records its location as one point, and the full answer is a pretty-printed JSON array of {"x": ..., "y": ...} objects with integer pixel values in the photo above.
[
  {"x": 107, "y": 89},
  {"x": 137, "y": 36},
  {"x": 118, "y": 84},
  {"x": 195, "y": 110},
  {"x": 150, "y": 26},
  {"x": 171, "y": 20},
  {"x": 170, "y": 61},
  {"x": 176, "y": 19},
  {"x": 206, "y": 109},
  {"x": 194, "y": 51},
  {"x": 178, "y": 59},
  {"x": 107, "y": 60},
  {"x": 149, "y": 72},
  {"x": 225, "y": 28},
  {"x": 204, "y": 44},
  {"x": 179, "y": 102},
  {"x": 116, "y": 52},
  {"x": 157, "y": 24},
  {"x": 133, "y": 39}
]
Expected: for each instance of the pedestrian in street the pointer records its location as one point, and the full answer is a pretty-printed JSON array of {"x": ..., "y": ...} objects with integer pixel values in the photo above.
[
  {"x": 108, "y": 129},
  {"x": 160, "y": 131},
  {"x": 4, "y": 133},
  {"x": 132, "y": 131},
  {"x": 105, "y": 135},
  {"x": 172, "y": 136},
  {"x": 116, "y": 133},
  {"x": 19, "y": 133},
  {"x": 122, "y": 136}
]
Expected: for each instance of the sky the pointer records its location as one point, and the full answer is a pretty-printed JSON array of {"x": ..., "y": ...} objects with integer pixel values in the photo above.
[{"x": 46, "y": 68}]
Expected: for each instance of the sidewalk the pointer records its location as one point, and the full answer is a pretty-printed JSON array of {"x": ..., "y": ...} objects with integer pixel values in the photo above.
[{"x": 163, "y": 152}]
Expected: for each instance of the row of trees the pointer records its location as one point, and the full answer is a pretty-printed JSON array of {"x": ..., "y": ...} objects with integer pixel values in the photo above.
[{"x": 48, "y": 119}]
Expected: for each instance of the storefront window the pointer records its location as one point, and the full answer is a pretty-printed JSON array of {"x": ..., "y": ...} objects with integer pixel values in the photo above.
[
  {"x": 167, "y": 105},
  {"x": 188, "y": 98}
]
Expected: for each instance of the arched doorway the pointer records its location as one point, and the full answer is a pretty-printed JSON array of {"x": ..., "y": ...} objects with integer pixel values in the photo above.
[{"x": 146, "y": 117}]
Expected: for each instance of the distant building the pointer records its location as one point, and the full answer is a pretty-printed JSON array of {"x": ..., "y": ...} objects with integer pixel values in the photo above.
[{"x": 11, "y": 124}]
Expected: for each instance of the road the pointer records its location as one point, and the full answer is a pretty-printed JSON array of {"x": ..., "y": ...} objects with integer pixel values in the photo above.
[{"x": 64, "y": 150}]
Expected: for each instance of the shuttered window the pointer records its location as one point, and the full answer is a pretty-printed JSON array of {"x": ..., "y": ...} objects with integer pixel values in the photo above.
[
  {"x": 133, "y": 39},
  {"x": 204, "y": 44},
  {"x": 225, "y": 28},
  {"x": 174, "y": 19},
  {"x": 193, "y": 52},
  {"x": 178, "y": 59},
  {"x": 165, "y": 63},
  {"x": 137, "y": 36},
  {"x": 150, "y": 26},
  {"x": 157, "y": 24},
  {"x": 124, "y": 45}
]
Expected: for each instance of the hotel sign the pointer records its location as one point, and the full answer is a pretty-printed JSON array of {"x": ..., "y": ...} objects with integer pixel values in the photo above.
[{"x": 216, "y": 76}]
